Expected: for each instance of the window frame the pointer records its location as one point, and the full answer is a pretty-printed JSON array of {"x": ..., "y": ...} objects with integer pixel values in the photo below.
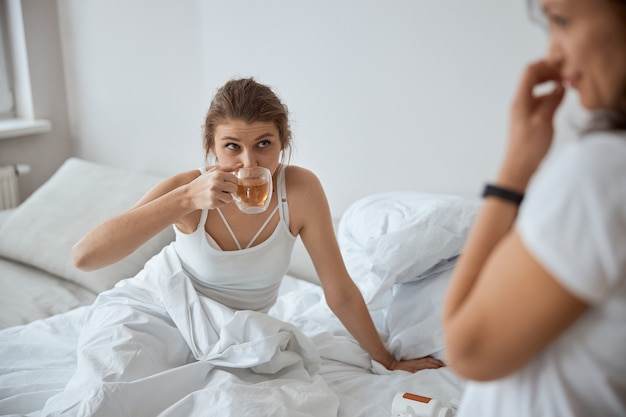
[{"x": 23, "y": 121}]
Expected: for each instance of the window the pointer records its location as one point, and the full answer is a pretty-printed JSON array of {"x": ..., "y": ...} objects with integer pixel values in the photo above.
[
  {"x": 16, "y": 104},
  {"x": 6, "y": 95}
]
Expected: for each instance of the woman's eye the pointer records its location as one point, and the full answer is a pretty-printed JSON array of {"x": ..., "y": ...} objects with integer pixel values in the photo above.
[
  {"x": 232, "y": 146},
  {"x": 264, "y": 143},
  {"x": 558, "y": 21}
]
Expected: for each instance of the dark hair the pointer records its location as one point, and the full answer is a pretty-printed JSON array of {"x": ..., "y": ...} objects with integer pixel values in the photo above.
[
  {"x": 247, "y": 100},
  {"x": 615, "y": 118},
  {"x": 604, "y": 119}
]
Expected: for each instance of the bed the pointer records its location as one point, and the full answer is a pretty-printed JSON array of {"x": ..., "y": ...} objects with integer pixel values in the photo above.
[{"x": 399, "y": 247}]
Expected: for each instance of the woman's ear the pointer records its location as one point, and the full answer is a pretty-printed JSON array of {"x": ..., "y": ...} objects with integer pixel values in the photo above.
[{"x": 211, "y": 159}]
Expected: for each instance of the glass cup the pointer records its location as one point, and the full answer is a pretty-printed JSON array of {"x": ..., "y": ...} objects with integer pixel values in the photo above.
[{"x": 254, "y": 189}]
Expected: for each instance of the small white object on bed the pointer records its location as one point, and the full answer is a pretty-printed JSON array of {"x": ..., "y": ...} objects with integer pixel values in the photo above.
[{"x": 399, "y": 248}]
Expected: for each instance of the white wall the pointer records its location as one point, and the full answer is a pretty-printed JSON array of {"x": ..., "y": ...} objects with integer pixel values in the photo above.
[
  {"x": 384, "y": 95},
  {"x": 134, "y": 77}
]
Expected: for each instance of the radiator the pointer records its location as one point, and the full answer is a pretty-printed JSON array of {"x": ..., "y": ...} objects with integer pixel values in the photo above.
[{"x": 9, "y": 189}]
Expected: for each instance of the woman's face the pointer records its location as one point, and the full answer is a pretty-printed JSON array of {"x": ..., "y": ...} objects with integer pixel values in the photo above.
[
  {"x": 588, "y": 46},
  {"x": 254, "y": 144}
]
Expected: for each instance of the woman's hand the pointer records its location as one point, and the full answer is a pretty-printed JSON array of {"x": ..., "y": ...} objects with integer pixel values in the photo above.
[
  {"x": 414, "y": 365},
  {"x": 531, "y": 128},
  {"x": 214, "y": 188}
]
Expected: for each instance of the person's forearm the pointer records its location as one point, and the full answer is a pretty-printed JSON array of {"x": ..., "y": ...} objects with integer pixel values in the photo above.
[
  {"x": 355, "y": 317},
  {"x": 118, "y": 237},
  {"x": 493, "y": 222}
]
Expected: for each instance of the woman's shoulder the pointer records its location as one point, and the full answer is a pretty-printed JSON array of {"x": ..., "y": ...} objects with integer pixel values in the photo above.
[
  {"x": 600, "y": 142},
  {"x": 593, "y": 154},
  {"x": 598, "y": 154},
  {"x": 583, "y": 173},
  {"x": 298, "y": 172},
  {"x": 296, "y": 176},
  {"x": 307, "y": 199}
]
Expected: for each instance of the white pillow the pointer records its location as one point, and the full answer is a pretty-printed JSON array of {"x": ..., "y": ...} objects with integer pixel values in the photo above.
[
  {"x": 400, "y": 237},
  {"x": 413, "y": 319},
  {"x": 81, "y": 194}
]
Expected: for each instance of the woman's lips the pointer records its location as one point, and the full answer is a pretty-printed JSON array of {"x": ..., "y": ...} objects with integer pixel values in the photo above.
[{"x": 573, "y": 81}]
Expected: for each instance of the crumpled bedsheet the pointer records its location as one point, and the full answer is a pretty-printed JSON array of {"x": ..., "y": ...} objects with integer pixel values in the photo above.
[{"x": 153, "y": 347}]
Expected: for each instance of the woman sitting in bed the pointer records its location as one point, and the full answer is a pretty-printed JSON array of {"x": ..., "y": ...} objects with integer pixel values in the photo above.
[
  {"x": 536, "y": 309},
  {"x": 234, "y": 258}
]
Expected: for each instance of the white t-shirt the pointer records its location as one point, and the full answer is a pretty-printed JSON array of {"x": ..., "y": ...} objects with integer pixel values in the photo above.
[{"x": 573, "y": 221}]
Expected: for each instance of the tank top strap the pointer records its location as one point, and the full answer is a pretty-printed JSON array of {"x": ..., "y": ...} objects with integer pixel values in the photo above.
[
  {"x": 230, "y": 230},
  {"x": 283, "y": 207},
  {"x": 205, "y": 212},
  {"x": 203, "y": 217},
  {"x": 263, "y": 226}
]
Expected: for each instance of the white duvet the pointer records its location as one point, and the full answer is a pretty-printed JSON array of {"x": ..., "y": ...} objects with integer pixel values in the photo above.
[{"x": 153, "y": 347}]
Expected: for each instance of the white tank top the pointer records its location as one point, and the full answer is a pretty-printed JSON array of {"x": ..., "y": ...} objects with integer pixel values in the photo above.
[{"x": 245, "y": 279}]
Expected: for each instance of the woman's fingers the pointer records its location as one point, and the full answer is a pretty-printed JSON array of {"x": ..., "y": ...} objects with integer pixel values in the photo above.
[
  {"x": 414, "y": 365},
  {"x": 551, "y": 101},
  {"x": 535, "y": 74},
  {"x": 227, "y": 168},
  {"x": 427, "y": 363},
  {"x": 532, "y": 116},
  {"x": 215, "y": 188}
]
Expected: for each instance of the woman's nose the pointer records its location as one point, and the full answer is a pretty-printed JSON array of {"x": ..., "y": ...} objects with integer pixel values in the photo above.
[
  {"x": 554, "y": 54},
  {"x": 248, "y": 160}
]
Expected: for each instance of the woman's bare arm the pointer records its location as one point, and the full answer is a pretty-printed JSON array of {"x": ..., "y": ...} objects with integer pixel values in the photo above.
[
  {"x": 119, "y": 236},
  {"x": 170, "y": 202},
  {"x": 502, "y": 305},
  {"x": 342, "y": 295}
]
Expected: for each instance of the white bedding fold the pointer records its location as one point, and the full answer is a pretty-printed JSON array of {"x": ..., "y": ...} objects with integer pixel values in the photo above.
[
  {"x": 281, "y": 379},
  {"x": 153, "y": 347}
]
